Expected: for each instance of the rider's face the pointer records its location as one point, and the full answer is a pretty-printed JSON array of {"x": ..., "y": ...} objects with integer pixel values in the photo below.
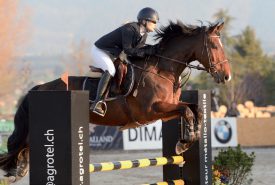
[{"x": 151, "y": 26}]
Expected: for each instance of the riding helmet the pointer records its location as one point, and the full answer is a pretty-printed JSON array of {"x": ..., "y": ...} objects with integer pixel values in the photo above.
[{"x": 148, "y": 14}]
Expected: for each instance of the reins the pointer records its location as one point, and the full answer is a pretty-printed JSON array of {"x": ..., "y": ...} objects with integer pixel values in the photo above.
[
  {"x": 182, "y": 62},
  {"x": 175, "y": 84}
]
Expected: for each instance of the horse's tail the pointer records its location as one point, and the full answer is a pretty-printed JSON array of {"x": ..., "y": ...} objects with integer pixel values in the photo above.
[{"x": 18, "y": 139}]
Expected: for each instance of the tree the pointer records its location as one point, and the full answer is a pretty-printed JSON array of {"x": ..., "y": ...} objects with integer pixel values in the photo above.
[
  {"x": 13, "y": 31},
  {"x": 269, "y": 83},
  {"x": 223, "y": 14},
  {"x": 77, "y": 62},
  {"x": 250, "y": 69}
]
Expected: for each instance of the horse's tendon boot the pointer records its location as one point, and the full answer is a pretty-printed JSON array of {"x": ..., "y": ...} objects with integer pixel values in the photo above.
[
  {"x": 198, "y": 124},
  {"x": 22, "y": 163},
  {"x": 189, "y": 134}
]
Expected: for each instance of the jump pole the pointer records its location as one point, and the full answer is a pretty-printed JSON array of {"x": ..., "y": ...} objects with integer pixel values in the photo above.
[
  {"x": 172, "y": 182},
  {"x": 138, "y": 163}
]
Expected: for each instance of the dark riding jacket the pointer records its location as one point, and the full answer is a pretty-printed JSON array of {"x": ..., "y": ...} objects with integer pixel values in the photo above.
[{"x": 127, "y": 38}]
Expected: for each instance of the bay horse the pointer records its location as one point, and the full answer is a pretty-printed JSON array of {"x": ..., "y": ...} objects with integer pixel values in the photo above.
[{"x": 156, "y": 91}]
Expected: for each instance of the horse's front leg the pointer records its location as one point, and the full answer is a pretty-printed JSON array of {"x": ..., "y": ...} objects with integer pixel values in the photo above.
[
  {"x": 198, "y": 119},
  {"x": 163, "y": 107},
  {"x": 170, "y": 111}
]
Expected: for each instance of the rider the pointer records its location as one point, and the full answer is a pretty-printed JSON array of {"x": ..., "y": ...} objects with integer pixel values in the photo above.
[{"x": 129, "y": 39}]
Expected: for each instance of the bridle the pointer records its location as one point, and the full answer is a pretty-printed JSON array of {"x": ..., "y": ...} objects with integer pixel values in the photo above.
[{"x": 212, "y": 67}]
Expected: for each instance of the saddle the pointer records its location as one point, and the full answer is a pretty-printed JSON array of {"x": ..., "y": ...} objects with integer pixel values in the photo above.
[{"x": 120, "y": 85}]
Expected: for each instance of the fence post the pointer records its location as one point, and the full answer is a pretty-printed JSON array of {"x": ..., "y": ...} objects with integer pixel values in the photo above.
[
  {"x": 59, "y": 135},
  {"x": 197, "y": 169}
]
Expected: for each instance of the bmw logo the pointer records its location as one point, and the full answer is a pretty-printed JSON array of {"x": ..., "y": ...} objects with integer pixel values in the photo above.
[{"x": 223, "y": 131}]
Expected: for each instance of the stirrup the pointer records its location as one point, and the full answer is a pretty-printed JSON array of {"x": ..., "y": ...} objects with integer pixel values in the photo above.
[{"x": 100, "y": 103}]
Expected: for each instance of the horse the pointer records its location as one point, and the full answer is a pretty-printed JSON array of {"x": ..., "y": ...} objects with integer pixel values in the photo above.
[{"x": 156, "y": 89}]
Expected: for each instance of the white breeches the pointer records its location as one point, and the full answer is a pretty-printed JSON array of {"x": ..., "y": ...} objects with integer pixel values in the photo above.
[{"x": 102, "y": 60}]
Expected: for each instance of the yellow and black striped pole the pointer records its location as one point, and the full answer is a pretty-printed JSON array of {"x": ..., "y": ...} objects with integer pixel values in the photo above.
[
  {"x": 172, "y": 182},
  {"x": 139, "y": 163}
]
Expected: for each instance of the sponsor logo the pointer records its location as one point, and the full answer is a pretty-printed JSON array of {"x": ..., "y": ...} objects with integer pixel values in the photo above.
[
  {"x": 81, "y": 154},
  {"x": 50, "y": 157},
  {"x": 142, "y": 138},
  {"x": 223, "y": 131}
]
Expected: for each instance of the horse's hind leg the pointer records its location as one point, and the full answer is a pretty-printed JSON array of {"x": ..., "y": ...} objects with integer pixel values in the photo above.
[{"x": 17, "y": 141}]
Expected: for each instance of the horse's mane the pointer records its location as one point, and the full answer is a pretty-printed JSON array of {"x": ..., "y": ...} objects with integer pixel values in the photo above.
[
  {"x": 165, "y": 33},
  {"x": 177, "y": 29}
]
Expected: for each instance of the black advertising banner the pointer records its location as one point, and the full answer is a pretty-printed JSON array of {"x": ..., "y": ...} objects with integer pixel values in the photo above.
[
  {"x": 197, "y": 170},
  {"x": 105, "y": 138},
  {"x": 205, "y": 148},
  {"x": 59, "y": 150}
]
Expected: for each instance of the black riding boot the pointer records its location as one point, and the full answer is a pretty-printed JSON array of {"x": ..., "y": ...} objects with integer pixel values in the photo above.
[{"x": 96, "y": 107}]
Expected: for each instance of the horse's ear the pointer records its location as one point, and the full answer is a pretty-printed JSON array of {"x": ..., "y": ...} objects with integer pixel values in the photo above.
[{"x": 217, "y": 26}]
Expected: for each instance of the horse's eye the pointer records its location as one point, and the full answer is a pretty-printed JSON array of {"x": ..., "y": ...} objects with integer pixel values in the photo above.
[{"x": 214, "y": 46}]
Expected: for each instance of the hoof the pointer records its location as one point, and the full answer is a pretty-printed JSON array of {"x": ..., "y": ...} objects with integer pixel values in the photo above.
[
  {"x": 11, "y": 179},
  {"x": 182, "y": 147},
  {"x": 22, "y": 164}
]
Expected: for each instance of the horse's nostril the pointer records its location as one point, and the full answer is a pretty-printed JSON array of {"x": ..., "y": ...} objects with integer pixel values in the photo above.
[{"x": 227, "y": 77}]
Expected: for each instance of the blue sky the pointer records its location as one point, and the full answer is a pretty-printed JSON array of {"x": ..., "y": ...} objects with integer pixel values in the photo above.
[{"x": 56, "y": 24}]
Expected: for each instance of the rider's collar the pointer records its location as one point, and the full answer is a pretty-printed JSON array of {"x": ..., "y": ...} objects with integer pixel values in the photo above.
[{"x": 142, "y": 30}]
